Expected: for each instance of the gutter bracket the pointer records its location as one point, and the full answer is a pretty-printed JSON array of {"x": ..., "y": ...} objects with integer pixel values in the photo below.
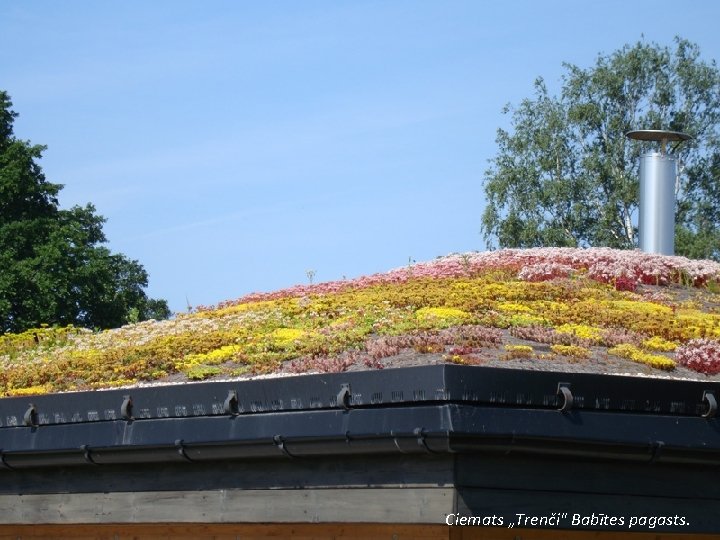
[
  {"x": 126, "y": 408},
  {"x": 657, "y": 447},
  {"x": 180, "y": 445},
  {"x": 31, "y": 417},
  {"x": 563, "y": 391},
  {"x": 280, "y": 443},
  {"x": 710, "y": 402},
  {"x": 3, "y": 462},
  {"x": 343, "y": 397},
  {"x": 419, "y": 432},
  {"x": 511, "y": 446},
  {"x": 396, "y": 443},
  {"x": 230, "y": 405},
  {"x": 86, "y": 453}
]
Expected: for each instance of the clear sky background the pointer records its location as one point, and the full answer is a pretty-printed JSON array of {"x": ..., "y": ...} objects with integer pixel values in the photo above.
[{"x": 233, "y": 146}]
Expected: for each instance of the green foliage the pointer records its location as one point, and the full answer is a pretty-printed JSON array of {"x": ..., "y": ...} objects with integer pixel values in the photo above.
[
  {"x": 53, "y": 269},
  {"x": 199, "y": 373},
  {"x": 566, "y": 175}
]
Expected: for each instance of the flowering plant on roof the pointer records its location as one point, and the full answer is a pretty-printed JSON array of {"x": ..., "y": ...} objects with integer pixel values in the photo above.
[
  {"x": 549, "y": 304},
  {"x": 702, "y": 355}
]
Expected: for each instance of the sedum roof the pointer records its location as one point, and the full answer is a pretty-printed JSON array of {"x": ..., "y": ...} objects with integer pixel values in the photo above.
[{"x": 597, "y": 310}]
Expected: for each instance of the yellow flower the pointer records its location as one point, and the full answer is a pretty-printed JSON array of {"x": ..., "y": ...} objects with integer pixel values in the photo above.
[
  {"x": 631, "y": 352},
  {"x": 526, "y": 319},
  {"x": 441, "y": 316},
  {"x": 518, "y": 351},
  {"x": 30, "y": 390},
  {"x": 287, "y": 335},
  {"x": 656, "y": 343},
  {"x": 580, "y": 330},
  {"x": 641, "y": 308},
  {"x": 699, "y": 324},
  {"x": 573, "y": 351},
  {"x": 513, "y": 307}
]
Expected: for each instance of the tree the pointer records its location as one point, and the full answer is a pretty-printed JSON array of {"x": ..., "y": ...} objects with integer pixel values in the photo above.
[
  {"x": 53, "y": 269},
  {"x": 566, "y": 175}
]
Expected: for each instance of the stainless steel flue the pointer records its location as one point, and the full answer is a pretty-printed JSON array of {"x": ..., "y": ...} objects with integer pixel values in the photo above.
[{"x": 658, "y": 175}]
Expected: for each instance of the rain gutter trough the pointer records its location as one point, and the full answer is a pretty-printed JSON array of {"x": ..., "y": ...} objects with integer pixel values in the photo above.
[{"x": 440, "y": 409}]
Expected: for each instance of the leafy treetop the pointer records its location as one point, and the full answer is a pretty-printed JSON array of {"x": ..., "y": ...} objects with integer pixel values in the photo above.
[
  {"x": 566, "y": 175},
  {"x": 53, "y": 269}
]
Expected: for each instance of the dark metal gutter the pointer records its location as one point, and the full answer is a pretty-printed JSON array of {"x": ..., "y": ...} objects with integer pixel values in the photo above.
[{"x": 430, "y": 409}]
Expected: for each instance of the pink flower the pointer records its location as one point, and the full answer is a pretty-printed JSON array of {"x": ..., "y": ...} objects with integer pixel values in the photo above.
[
  {"x": 701, "y": 355},
  {"x": 625, "y": 269}
]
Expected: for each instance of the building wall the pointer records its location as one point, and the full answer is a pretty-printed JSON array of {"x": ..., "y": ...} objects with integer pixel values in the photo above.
[
  {"x": 180, "y": 531},
  {"x": 373, "y": 496}
]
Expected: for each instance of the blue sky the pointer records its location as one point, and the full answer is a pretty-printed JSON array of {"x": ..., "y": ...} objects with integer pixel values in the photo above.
[{"x": 233, "y": 146}]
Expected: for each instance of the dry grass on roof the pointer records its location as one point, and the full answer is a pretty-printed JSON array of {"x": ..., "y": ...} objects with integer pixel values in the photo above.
[{"x": 580, "y": 310}]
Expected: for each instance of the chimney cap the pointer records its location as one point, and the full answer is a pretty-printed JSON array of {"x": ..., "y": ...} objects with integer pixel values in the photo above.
[{"x": 657, "y": 135}]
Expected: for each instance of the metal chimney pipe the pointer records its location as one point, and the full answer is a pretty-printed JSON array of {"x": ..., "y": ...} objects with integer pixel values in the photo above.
[
  {"x": 658, "y": 174},
  {"x": 657, "y": 203}
]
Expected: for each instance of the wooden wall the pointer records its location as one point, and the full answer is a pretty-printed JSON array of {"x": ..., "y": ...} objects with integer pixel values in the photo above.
[
  {"x": 313, "y": 532},
  {"x": 379, "y": 497}
]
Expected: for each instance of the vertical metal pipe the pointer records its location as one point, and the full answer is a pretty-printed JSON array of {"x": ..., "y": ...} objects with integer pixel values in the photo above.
[{"x": 657, "y": 203}]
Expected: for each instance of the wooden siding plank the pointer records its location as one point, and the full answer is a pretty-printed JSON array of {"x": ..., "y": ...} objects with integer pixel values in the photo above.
[
  {"x": 229, "y": 531},
  {"x": 390, "y": 505},
  {"x": 327, "y": 472},
  {"x": 565, "y": 474},
  {"x": 700, "y": 515},
  {"x": 180, "y": 531}
]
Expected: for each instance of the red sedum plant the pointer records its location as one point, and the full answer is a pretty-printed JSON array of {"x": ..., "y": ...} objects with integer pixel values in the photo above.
[{"x": 701, "y": 355}]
